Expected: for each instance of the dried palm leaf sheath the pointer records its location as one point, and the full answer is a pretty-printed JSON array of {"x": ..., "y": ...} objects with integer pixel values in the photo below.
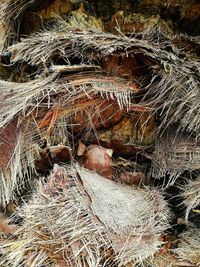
[
  {"x": 22, "y": 98},
  {"x": 45, "y": 107},
  {"x": 9, "y": 154},
  {"x": 18, "y": 151},
  {"x": 189, "y": 247},
  {"x": 173, "y": 89},
  {"x": 80, "y": 217},
  {"x": 70, "y": 40},
  {"x": 175, "y": 153},
  {"x": 191, "y": 195},
  {"x": 27, "y": 97},
  {"x": 18, "y": 135}
]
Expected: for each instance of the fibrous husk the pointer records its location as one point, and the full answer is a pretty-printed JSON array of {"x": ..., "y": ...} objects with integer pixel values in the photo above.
[
  {"x": 79, "y": 216},
  {"x": 175, "y": 152}
]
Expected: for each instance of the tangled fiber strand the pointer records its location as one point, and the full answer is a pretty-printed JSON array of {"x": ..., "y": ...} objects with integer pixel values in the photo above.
[
  {"x": 174, "y": 153},
  {"x": 13, "y": 9},
  {"x": 11, "y": 16},
  {"x": 176, "y": 96},
  {"x": 191, "y": 195},
  {"x": 10, "y": 13},
  {"x": 189, "y": 247},
  {"x": 80, "y": 222},
  {"x": 67, "y": 41},
  {"x": 24, "y": 98},
  {"x": 19, "y": 150}
]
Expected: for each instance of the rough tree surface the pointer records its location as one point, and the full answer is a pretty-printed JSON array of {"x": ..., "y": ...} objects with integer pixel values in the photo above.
[{"x": 99, "y": 133}]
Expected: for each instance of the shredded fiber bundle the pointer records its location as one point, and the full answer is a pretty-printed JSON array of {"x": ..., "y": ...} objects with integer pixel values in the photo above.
[
  {"x": 11, "y": 17},
  {"x": 191, "y": 195},
  {"x": 27, "y": 97},
  {"x": 79, "y": 217},
  {"x": 189, "y": 247},
  {"x": 174, "y": 153},
  {"x": 176, "y": 96},
  {"x": 67, "y": 40}
]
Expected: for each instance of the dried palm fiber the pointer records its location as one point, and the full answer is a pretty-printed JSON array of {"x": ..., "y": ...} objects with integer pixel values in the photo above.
[
  {"x": 175, "y": 152},
  {"x": 13, "y": 9},
  {"x": 10, "y": 12},
  {"x": 45, "y": 107},
  {"x": 71, "y": 88},
  {"x": 167, "y": 260},
  {"x": 18, "y": 134},
  {"x": 173, "y": 89},
  {"x": 189, "y": 246},
  {"x": 18, "y": 151},
  {"x": 11, "y": 16},
  {"x": 79, "y": 216},
  {"x": 69, "y": 39},
  {"x": 93, "y": 100},
  {"x": 176, "y": 97},
  {"x": 191, "y": 195}
]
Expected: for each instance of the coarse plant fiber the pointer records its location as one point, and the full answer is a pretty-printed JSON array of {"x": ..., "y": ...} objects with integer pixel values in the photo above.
[
  {"x": 175, "y": 152},
  {"x": 189, "y": 246},
  {"x": 191, "y": 195},
  {"x": 32, "y": 105},
  {"x": 25, "y": 98},
  {"x": 10, "y": 15},
  {"x": 69, "y": 218},
  {"x": 174, "y": 87}
]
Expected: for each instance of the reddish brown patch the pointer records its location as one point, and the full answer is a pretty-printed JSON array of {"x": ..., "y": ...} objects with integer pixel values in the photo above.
[
  {"x": 97, "y": 159},
  {"x": 134, "y": 178},
  {"x": 8, "y": 142}
]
